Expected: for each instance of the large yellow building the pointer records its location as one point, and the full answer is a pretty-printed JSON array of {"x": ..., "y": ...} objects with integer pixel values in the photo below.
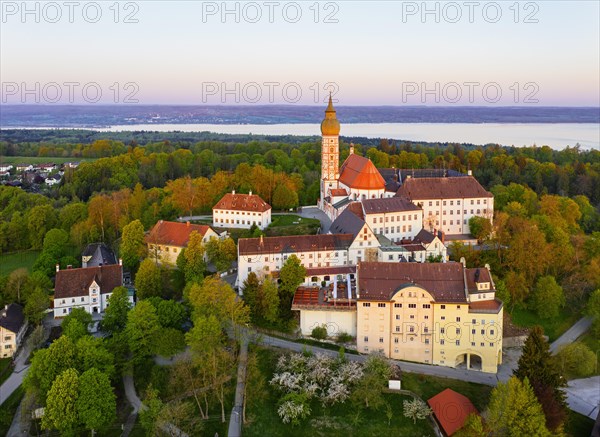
[{"x": 435, "y": 313}]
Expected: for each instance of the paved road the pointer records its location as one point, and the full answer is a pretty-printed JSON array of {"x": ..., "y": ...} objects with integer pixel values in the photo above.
[
  {"x": 572, "y": 334},
  {"x": 583, "y": 396},
  {"x": 235, "y": 421},
  {"x": 316, "y": 213}
]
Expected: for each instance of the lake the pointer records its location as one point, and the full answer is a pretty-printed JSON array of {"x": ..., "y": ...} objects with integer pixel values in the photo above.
[{"x": 555, "y": 135}]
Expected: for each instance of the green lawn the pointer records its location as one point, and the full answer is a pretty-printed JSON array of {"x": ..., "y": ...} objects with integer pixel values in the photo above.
[
  {"x": 40, "y": 159},
  {"x": 292, "y": 225},
  {"x": 5, "y": 369},
  {"x": 8, "y": 409},
  {"x": 429, "y": 386},
  {"x": 578, "y": 425},
  {"x": 553, "y": 328},
  {"x": 338, "y": 420},
  {"x": 16, "y": 260}
]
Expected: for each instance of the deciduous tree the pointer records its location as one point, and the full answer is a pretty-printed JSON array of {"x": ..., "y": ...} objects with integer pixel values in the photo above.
[
  {"x": 547, "y": 298},
  {"x": 148, "y": 280},
  {"x": 115, "y": 314},
  {"x": 133, "y": 245},
  {"x": 61, "y": 406},
  {"x": 96, "y": 403}
]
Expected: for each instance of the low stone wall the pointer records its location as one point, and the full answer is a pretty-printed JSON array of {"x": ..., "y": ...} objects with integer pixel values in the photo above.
[{"x": 514, "y": 341}]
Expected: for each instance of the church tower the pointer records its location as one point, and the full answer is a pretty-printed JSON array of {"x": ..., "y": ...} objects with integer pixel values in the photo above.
[{"x": 330, "y": 152}]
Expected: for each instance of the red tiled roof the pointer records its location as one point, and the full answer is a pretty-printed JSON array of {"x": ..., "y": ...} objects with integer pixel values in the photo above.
[
  {"x": 486, "y": 306},
  {"x": 379, "y": 281},
  {"x": 242, "y": 202},
  {"x": 360, "y": 173},
  {"x": 174, "y": 233},
  {"x": 475, "y": 276},
  {"x": 356, "y": 208},
  {"x": 76, "y": 282},
  {"x": 337, "y": 192},
  {"x": 451, "y": 410},
  {"x": 442, "y": 188},
  {"x": 294, "y": 244}
]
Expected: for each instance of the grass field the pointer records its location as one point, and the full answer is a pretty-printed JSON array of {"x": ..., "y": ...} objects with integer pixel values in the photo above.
[
  {"x": 5, "y": 369},
  {"x": 40, "y": 159},
  {"x": 292, "y": 225},
  {"x": 16, "y": 260},
  {"x": 553, "y": 328},
  {"x": 8, "y": 409},
  {"x": 338, "y": 420}
]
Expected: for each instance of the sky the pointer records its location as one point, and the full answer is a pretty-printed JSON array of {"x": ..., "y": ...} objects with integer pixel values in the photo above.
[{"x": 506, "y": 53}]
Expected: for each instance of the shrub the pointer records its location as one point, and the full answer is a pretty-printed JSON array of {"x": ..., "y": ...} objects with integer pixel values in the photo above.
[
  {"x": 344, "y": 337},
  {"x": 319, "y": 332},
  {"x": 577, "y": 359}
]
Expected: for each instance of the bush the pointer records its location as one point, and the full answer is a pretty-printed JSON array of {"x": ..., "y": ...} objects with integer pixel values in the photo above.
[
  {"x": 319, "y": 332},
  {"x": 344, "y": 337},
  {"x": 577, "y": 359}
]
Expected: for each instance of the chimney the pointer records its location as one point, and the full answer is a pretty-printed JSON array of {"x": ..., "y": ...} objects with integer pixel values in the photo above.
[
  {"x": 69, "y": 266},
  {"x": 120, "y": 261},
  {"x": 250, "y": 194},
  {"x": 187, "y": 223},
  {"x": 442, "y": 236},
  {"x": 470, "y": 172},
  {"x": 351, "y": 148},
  {"x": 232, "y": 191},
  {"x": 261, "y": 240},
  {"x": 57, "y": 267},
  {"x": 463, "y": 261}
]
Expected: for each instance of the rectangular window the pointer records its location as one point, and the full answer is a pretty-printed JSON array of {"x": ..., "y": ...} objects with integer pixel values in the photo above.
[
  {"x": 458, "y": 342},
  {"x": 380, "y": 339},
  {"x": 473, "y": 331},
  {"x": 442, "y": 330},
  {"x": 442, "y": 342},
  {"x": 492, "y": 332},
  {"x": 397, "y": 316},
  {"x": 483, "y": 332},
  {"x": 473, "y": 344},
  {"x": 381, "y": 305},
  {"x": 443, "y": 307},
  {"x": 397, "y": 328},
  {"x": 397, "y": 305},
  {"x": 426, "y": 305},
  {"x": 458, "y": 330},
  {"x": 492, "y": 344},
  {"x": 396, "y": 340},
  {"x": 412, "y": 305},
  {"x": 426, "y": 341},
  {"x": 366, "y": 339},
  {"x": 473, "y": 321},
  {"x": 458, "y": 319},
  {"x": 366, "y": 304}
]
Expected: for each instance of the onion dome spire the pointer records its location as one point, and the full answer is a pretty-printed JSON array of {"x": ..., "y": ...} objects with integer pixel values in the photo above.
[{"x": 330, "y": 125}]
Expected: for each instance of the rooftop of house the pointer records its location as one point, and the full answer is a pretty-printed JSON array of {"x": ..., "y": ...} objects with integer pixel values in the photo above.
[
  {"x": 242, "y": 202},
  {"x": 388, "y": 205},
  {"x": 359, "y": 172},
  {"x": 347, "y": 223},
  {"x": 174, "y": 233},
  {"x": 294, "y": 243},
  {"x": 442, "y": 188},
  {"x": 451, "y": 410},
  {"x": 12, "y": 318},
  {"x": 76, "y": 282},
  {"x": 444, "y": 281},
  {"x": 100, "y": 254}
]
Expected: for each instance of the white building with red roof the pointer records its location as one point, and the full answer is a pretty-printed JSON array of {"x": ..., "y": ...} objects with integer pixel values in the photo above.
[
  {"x": 241, "y": 211},
  {"x": 167, "y": 239}
]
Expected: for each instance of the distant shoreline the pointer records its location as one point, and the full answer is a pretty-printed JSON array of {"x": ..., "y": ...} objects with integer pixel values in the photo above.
[{"x": 556, "y": 135}]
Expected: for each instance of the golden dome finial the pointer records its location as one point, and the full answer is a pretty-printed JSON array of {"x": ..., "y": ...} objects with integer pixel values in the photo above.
[{"x": 330, "y": 125}]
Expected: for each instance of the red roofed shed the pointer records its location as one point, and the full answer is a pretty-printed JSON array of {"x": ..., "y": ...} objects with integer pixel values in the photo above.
[{"x": 451, "y": 410}]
